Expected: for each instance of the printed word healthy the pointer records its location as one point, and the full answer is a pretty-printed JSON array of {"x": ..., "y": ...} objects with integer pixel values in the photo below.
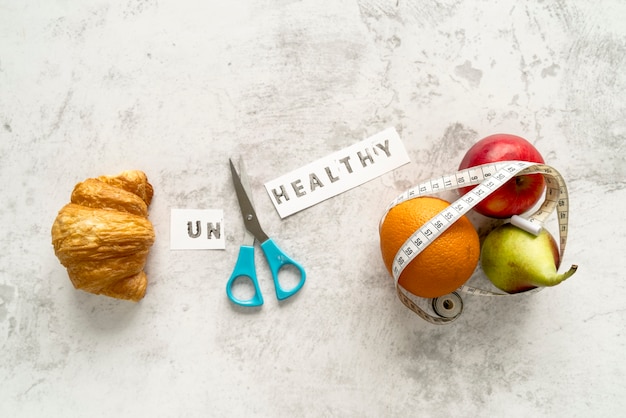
[{"x": 300, "y": 187}]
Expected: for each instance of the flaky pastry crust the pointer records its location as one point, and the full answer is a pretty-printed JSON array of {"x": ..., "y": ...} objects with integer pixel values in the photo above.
[{"x": 103, "y": 235}]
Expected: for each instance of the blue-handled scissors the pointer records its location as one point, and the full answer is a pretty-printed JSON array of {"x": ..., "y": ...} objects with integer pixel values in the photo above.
[{"x": 276, "y": 258}]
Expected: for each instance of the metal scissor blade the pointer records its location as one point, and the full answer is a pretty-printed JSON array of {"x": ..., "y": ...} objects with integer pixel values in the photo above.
[
  {"x": 248, "y": 238},
  {"x": 245, "y": 204}
]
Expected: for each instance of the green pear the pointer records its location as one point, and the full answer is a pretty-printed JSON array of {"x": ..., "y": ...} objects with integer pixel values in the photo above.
[{"x": 515, "y": 260}]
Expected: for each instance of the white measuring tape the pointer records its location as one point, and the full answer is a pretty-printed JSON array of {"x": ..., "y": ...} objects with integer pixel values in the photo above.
[{"x": 488, "y": 178}]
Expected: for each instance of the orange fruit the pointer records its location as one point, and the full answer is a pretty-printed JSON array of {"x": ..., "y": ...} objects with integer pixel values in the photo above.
[{"x": 445, "y": 264}]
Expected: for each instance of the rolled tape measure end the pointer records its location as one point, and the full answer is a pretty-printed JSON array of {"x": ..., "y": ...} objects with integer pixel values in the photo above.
[
  {"x": 526, "y": 225},
  {"x": 448, "y": 306}
]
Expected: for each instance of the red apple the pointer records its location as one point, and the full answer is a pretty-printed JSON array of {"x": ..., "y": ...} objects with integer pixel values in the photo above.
[{"x": 518, "y": 194}]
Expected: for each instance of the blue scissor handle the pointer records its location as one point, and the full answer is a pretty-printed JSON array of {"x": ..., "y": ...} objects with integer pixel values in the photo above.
[
  {"x": 245, "y": 268},
  {"x": 277, "y": 259}
]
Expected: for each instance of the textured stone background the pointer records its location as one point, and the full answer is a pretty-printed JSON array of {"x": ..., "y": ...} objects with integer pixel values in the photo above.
[{"x": 175, "y": 88}]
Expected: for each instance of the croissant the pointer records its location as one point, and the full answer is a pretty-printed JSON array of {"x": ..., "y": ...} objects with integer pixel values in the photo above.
[{"x": 103, "y": 235}]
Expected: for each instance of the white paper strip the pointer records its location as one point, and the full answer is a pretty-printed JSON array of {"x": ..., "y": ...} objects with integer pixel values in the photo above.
[{"x": 337, "y": 173}]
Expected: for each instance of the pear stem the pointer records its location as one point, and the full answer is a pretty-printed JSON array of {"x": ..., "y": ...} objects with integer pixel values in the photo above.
[{"x": 569, "y": 273}]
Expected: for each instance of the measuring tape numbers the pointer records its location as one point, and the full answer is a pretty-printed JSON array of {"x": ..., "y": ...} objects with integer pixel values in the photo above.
[{"x": 488, "y": 178}]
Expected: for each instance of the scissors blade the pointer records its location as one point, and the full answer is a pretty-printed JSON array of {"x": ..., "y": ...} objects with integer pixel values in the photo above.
[
  {"x": 245, "y": 204},
  {"x": 248, "y": 238}
]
